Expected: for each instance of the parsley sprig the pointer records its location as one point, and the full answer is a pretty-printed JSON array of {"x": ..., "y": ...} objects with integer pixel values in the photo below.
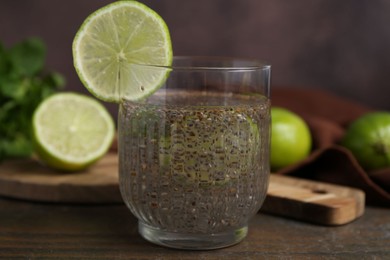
[{"x": 23, "y": 85}]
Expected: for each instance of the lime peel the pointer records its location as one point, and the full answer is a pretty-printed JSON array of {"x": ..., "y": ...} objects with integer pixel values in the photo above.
[
  {"x": 368, "y": 139},
  {"x": 202, "y": 177},
  {"x": 112, "y": 43},
  {"x": 71, "y": 131},
  {"x": 291, "y": 139}
]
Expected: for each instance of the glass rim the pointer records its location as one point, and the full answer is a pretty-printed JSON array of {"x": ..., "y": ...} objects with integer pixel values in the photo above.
[{"x": 250, "y": 64}]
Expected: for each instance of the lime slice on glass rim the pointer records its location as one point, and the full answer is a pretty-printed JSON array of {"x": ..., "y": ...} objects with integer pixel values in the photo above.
[
  {"x": 112, "y": 41},
  {"x": 71, "y": 131}
]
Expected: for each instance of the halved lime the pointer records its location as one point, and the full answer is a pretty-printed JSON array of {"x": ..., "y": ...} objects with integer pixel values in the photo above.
[
  {"x": 201, "y": 149},
  {"x": 71, "y": 131},
  {"x": 112, "y": 45}
]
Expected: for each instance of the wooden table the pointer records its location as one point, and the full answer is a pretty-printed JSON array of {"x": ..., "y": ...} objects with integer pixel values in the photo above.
[{"x": 31, "y": 230}]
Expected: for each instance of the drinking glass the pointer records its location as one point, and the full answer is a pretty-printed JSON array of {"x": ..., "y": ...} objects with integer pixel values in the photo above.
[{"x": 194, "y": 155}]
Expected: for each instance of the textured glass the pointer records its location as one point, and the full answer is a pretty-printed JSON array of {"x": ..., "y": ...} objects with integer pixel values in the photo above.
[{"x": 194, "y": 163}]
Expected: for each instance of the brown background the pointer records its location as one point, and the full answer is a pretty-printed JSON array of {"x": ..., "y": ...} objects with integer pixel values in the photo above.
[{"x": 340, "y": 46}]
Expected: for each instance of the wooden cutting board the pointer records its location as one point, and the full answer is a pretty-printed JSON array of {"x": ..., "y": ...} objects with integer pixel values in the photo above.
[
  {"x": 30, "y": 180},
  {"x": 313, "y": 201},
  {"x": 304, "y": 200}
]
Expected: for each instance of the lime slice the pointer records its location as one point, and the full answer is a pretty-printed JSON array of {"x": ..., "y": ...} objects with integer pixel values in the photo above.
[
  {"x": 112, "y": 43},
  {"x": 233, "y": 147},
  {"x": 71, "y": 131}
]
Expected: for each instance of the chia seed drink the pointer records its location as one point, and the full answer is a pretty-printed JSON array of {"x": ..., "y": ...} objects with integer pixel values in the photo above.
[{"x": 194, "y": 162}]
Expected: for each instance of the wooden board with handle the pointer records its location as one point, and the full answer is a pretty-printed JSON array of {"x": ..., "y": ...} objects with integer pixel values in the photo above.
[
  {"x": 30, "y": 180},
  {"x": 313, "y": 201},
  {"x": 305, "y": 200}
]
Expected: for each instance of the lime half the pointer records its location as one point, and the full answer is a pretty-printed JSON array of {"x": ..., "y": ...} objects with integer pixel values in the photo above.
[
  {"x": 111, "y": 46},
  {"x": 208, "y": 152},
  {"x": 71, "y": 131}
]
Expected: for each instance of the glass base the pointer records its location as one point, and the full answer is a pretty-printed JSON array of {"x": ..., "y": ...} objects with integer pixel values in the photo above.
[{"x": 192, "y": 241}]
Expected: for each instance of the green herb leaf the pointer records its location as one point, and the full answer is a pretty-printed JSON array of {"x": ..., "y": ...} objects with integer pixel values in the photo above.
[
  {"x": 28, "y": 57},
  {"x": 20, "y": 146},
  {"x": 14, "y": 88},
  {"x": 23, "y": 85}
]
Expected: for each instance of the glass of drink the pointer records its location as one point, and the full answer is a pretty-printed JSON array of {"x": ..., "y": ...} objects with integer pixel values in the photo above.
[{"x": 194, "y": 156}]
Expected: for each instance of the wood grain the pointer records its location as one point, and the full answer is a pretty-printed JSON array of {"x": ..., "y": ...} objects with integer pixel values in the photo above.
[
  {"x": 63, "y": 231},
  {"x": 305, "y": 200},
  {"x": 28, "y": 179},
  {"x": 312, "y": 201}
]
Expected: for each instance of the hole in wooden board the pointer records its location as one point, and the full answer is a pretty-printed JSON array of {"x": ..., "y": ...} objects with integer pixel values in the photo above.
[{"x": 319, "y": 191}]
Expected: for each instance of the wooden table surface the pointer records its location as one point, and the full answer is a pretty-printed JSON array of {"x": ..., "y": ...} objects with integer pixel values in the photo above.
[{"x": 30, "y": 230}]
